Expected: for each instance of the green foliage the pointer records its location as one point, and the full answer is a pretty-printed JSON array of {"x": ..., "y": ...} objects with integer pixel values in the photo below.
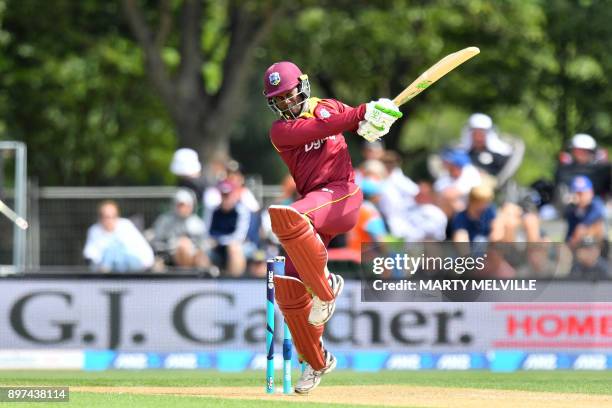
[
  {"x": 73, "y": 83},
  {"x": 76, "y": 97},
  {"x": 575, "y": 87}
]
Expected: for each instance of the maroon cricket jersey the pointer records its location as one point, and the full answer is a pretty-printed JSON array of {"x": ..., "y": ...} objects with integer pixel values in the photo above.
[{"x": 313, "y": 147}]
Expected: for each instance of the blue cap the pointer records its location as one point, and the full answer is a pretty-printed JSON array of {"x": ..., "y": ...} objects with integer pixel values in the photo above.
[
  {"x": 456, "y": 157},
  {"x": 581, "y": 183},
  {"x": 370, "y": 187}
]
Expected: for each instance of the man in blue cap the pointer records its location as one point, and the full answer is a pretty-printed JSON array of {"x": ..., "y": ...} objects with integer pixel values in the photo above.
[
  {"x": 586, "y": 215},
  {"x": 455, "y": 184}
]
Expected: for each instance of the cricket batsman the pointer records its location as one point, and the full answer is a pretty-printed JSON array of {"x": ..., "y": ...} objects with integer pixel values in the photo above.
[{"x": 308, "y": 137}]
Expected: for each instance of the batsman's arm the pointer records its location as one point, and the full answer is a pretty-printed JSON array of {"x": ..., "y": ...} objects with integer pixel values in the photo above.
[{"x": 290, "y": 134}]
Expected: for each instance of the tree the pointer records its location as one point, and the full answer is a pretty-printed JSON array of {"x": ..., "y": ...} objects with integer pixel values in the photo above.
[
  {"x": 71, "y": 88},
  {"x": 218, "y": 35},
  {"x": 357, "y": 51},
  {"x": 574, "y": 87}
]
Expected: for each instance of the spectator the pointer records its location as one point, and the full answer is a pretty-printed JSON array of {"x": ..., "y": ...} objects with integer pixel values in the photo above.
[
  {"x": 425, "y": 221},
  {"x": 397, "y": 178},
  {"x": 114, "y": 244},
  {"x": 454, "y": 186},
  {"x": 374, "y": 169},
  {"x": 188, "y": 169},
  {"x": 583, "y": 150},
  {"x": 398, "y": 191},
  {"x": 586, "y": 216},
  {"x": 373, "y": 150},
  {"x": 509, "y": 220},
  {"x": 486, "y": 150},
  {"x": 236, "y": 177},
  {"x": 583, "y": 158},
  {"x": 229, "y": 227},
  {"x": 588, "y": 262},
  {"x": 179, "y": 234},
  {"x": 256, "y": 266},
  {"x": 369, "y": 151},
  {"x": 460, "y": 173},
  {"x": 474, "y": 224},
  {"x": 212, "y": 195},
  {"x": 370, "y": 226}
]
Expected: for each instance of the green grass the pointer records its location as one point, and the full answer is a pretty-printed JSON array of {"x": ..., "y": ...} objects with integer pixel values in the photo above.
[
  {"x": 587, "y": 382},
  {"x": 94, "y": 400}
]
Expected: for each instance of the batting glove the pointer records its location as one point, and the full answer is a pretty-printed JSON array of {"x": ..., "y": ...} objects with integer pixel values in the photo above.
[
  {"x": 382, "y": 113},
  {"x": 370, "y": 132}
]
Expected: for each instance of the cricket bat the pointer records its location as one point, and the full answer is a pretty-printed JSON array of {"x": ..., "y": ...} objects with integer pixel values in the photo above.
[{"x": 435, "y": 72}]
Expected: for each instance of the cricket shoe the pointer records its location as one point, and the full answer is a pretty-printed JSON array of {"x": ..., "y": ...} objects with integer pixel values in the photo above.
[
  {"x": 322, "y": 311},
  {"x": 311, "y": 378}
]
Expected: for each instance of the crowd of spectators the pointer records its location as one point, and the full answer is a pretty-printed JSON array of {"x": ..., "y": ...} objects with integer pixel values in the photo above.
[{"x": 217, "y": 225}]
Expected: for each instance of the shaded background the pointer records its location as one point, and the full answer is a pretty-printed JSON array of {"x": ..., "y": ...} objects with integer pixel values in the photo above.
[{"x": 103, "y": 92}]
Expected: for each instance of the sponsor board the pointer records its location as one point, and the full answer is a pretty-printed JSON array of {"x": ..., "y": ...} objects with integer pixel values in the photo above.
[
  {"x": 236, "y": 361},
  {"x": 550, "y": 326},
  {"x": 42, "y": 359},
  {"x": 187, "y": 315},
  {"x": 208, "y": 324}
]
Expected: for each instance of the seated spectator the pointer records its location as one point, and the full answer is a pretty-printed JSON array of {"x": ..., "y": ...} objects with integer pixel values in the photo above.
[
  {"x": 514, "y": 223},
  {"x": 369, "y": 151},
  {"x": 228, "y": 229},
  {"x": 474, "y": 224},
  {"x": 114, "y": 244},
  {"x": 455, "y": 184},
  {"x": 486, "y": 150},
  {"x": 583, "y": 150},
  {"x": 588, "y": 262},
  {"x": 398, "y": 191},
  {"x": 370, "y": 226},
  {"x": 374, "y": 170},
  {"x": 188, "y": 169},
  {"x": 236, "y": 177},
  {"x": 179, "y": 234},
  {"x": 425, "y": 221},
  {"x": 212, "y": 195},
  {"x": 583, "y": 158},
  {"x": 586, "y": 215},
  {"x": 397, "y": 178},
  {"x": 460, "y": 173},
  {"x": 257, "y": 266}
]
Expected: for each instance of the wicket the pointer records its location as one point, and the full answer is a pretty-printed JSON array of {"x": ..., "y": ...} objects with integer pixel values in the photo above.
[{"x": 276, "y": 265}]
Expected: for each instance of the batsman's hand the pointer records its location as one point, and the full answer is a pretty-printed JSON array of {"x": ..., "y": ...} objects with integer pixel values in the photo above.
[
  {"x": 382, "y": 113},
  {"x": 369, "y": 132}
]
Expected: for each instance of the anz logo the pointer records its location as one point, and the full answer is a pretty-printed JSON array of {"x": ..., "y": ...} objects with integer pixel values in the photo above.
[{"x": 317, "y": 144}]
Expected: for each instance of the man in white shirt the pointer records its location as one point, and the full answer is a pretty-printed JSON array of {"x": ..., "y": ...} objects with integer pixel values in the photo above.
[
  {"x": 454, "y": 186},
  {"x": 397, "y": 195},
  {"x": 114, "y": 244},
  {"x": 179, "y": 235}
]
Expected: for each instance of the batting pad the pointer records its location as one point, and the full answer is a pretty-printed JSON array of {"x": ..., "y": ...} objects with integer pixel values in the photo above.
[
  {"x": 295, "y": 302},
  {"x": 304, "y": 247}
]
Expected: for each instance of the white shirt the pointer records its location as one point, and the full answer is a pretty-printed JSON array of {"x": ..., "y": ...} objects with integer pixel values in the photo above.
[
  {"x": 425, "y": 222},
  {"x": 469, "y": 178},
  {"x": 492, "y": 142},
  {"x": 98, "y": 239},
  {"x": 212, "y": 200},
  {"x": 397, "y": 195}
]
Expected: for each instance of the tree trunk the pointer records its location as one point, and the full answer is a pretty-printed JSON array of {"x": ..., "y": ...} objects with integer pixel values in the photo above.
[
  {"x": 216, "y": 142},
  {"x": 203, "y": 122}
]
